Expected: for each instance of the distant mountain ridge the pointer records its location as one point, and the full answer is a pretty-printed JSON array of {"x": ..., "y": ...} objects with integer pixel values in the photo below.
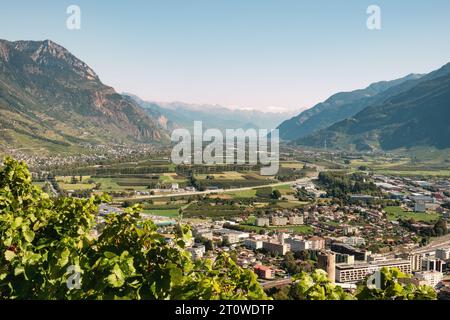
[
  {"x": 179, "y": 114},
  {"x": 419, "y": 116},
  {"x": 341, "y": 106},
  {"x": 50, "y": 98}
]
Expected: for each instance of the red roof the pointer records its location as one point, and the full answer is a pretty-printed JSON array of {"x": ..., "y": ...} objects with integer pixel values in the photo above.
[{"x": 263, "y": 268}]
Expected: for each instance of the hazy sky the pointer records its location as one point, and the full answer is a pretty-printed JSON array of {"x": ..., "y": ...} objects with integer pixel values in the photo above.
[{"x": 248, "y": 53}]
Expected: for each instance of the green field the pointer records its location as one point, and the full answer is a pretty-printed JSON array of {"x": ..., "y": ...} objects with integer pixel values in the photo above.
[
  {"x": 39, "y": 184},
  {"x": 419, "y": 162},
  {"x": 415, "y": 173},
  {"x": 171, "y": 178},
  {"x": 396, "y": 213},
  {"x": 250, "y": 228},
  {"x": 113, "y": 184},
  {"x": 243, "y": 194},
  {"x": 171, "y": 213},
  {"x": 290, "y": 204},
  {"x": 285, "y": 189},
  {"x": 295, "y": 229},
  {"x": 229, "y": 175},
  {"x": 64, "y": 183},
  {"x": 292, "y": 165}
]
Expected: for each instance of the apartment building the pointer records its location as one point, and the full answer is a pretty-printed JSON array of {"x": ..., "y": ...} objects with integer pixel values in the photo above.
[
  {"x": 357, "y": 272},
  {"x": 276, "y": 247},
  {"x": 264, "y": 272},
  {"x": 262, "y": 222},
  {"x": 253, "y": 244},
  {"x": 279, "y": 221}
]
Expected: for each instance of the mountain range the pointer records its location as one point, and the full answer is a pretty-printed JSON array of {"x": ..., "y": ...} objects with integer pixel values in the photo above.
[
  {"x": 341, "y": 106},
  {"x": 415, "y": 114},
  {"x": 52, "y": 101},
  {"x": 178, "y": 114},
  {"x": 49, "y": 99}
]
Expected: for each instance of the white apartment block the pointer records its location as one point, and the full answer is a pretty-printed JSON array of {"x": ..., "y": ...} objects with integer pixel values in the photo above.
[
  {"x": 279, "y": 221},
  {"x": 298, "y": 244},
  {"x": 296, "y": 220},
  {"x": 279, "y": 248},
  {"x": 316, "y": 243},
  {"x": 357, "y": 272},
  {"x": 430, "y": 278},
  {"x": 253, "y": 244},
  {"x": 262, "y": 222}
]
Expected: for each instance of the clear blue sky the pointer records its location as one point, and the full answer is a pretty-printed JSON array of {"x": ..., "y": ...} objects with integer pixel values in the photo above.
[{"x": 248, "y": 53}]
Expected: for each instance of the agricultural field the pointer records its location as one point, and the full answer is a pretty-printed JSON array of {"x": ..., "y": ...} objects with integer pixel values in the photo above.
[
  {"x": 419, "y": 163},
  {"x": 229, "y": 175},
  {"x": 251, "y": 193},
  {"x": 291, "y": 204},
  {"x": 379, "y": 163},
  {"x": 417, "y": 173},
  {"x": 234, "y": 179},
  {"x": 65, "y": 183},
  {"x": 171, "y": 177},
  {"x": 292, "y": 165},
  {"x": 121, "y": 184},
  {"x": 170, "y": 213},
  {"x": 256, "y": 176},
  {"x": 128, "y": 168},
  {"x": 396, "y": 213},
  {"x": 285, "y": 190}
]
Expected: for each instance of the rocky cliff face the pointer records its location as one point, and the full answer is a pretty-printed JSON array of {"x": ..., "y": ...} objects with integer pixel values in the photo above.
[{"x": 47, "y": 95}]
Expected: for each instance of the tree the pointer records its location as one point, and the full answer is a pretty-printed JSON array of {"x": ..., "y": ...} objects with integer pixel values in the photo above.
[
  {"x": 316, "y": 286},
  {"x": 295, "y": 267},
  {"x": 303, "y": 195},
  {"x": 127, "y": 204},
  {"x": 440, "y": 228},
  {"x": 395, "y": 286},
  {"x": 276, "y": 194},
  {"x": 44, "y": 241}
]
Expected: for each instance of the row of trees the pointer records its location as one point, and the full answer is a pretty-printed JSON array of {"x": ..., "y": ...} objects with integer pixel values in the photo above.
[
  {"x": 439, "y": 228},
  {"x": 341, "y": 185}
]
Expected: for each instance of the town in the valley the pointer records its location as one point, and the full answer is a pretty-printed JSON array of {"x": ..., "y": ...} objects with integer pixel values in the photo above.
[{"x": 349, "y": 214}]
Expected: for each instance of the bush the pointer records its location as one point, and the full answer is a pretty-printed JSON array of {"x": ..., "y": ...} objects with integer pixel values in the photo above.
[{"x": 47, "y": 244}]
